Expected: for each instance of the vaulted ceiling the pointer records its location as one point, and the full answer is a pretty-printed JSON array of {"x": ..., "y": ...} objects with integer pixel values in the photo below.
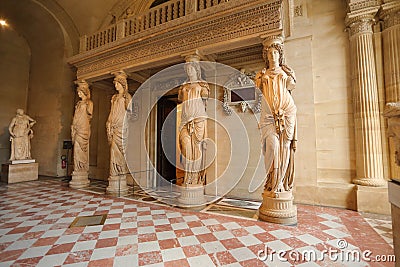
[{"x": 75, "y": 18}]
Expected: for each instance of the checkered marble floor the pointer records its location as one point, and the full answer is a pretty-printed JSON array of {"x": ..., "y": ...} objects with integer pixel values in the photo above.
[{"x": 35, "y": 219}]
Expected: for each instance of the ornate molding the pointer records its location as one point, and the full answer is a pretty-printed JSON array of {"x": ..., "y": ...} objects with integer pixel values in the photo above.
[
  {"x": 390, "y": 15},
  {"x": 298, "y": 11},
  {"x": 211, "y": 28},
  {"x": 364, "y": 4},
  {"x": 239, "y": 81}
]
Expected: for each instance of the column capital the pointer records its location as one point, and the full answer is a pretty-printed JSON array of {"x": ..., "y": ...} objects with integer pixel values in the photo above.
[
  {"x": 390, "y": 14},
  {"x": 272, "y": 39},
  {"x": 360, "y": 23},
  {"x": 120, "y": 74},
  {"x": 81, "y": 83}
]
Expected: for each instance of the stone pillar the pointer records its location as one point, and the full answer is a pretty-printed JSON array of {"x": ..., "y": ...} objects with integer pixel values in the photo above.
[
  {"x": 192, "y": 194},
  {"x": 117, "y": 133},
  {"x": 390, "y": 15},
  {"x": 368, "y": 143},
  {"x": 278, "y": 137},
  {"x": 80, "y": 133}
]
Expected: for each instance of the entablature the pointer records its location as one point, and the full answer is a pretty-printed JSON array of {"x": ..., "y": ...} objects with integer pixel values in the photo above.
[{"x": 131, "y": 45}]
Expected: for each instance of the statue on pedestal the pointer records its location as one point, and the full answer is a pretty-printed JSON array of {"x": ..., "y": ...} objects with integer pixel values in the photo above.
[
  {"x": 278, "y": 131},
  {"x": 116, "y": 134},
  {"x": 21, "y": 133},
  {"x": 80, "y": 133},
  {"x": 193, "y": 130}
]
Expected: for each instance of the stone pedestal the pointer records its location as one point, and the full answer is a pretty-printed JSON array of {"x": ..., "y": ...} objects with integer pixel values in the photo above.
[
  {"x": 192, "y": 196},
  {"x": 373, "y": 199},
  {"x": 394, "y": 198},
  {"x": 117, "y": 185},
  {"x": 79, "y": 180},
  {"x": 15, "y": 173},
  {"x": 278, "y": 208}
]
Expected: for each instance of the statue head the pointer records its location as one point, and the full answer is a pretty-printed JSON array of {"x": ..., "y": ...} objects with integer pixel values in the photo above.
[
  {"x": 20, "y": 111},
  {"x": 120, "y": 77},
  {"x": 83, "y": 87},
  {"x": 275, "y": 42},
  {"x": 192, "y": 64}
]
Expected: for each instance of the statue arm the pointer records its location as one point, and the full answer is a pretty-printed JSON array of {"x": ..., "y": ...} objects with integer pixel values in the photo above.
[
  {"x": 180, "y": 94},
  {"x": 128, "y": 99},
  {"x": 205, "y": 91},
  {"x": 257, "y": 79},
  {"x": 11, "y": 126},
  {"x": 291, "y": 81},
  {"x": 89, "y": 108}
]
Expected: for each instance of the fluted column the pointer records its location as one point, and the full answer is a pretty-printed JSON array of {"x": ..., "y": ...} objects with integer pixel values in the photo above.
[
  {"x": 390, "y": 15},
  {"x": 368, "y": 143}
]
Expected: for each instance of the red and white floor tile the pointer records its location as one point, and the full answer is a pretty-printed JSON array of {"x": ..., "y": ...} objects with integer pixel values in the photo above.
[{"x": 35, "y": 219}]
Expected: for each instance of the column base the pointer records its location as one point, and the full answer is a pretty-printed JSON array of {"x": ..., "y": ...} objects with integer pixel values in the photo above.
[
  {"x": 278, "y": 208},
  {"x": 191, "y": 196},
  {"x": 372, "y": 199},
  {"x": 117, "y": 185},
  {"x": 79, "y": 180},
  {"x": 370, "y": 182}
]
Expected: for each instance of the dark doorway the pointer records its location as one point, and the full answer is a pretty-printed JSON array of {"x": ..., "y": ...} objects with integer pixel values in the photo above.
[{"x": 166, "y": 137}]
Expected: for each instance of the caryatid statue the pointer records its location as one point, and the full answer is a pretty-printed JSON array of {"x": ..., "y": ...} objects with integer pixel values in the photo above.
[
  {"x": 193, "y": 129},
  {"x": 21, "y": 133},
  {"x": 117, "y": 134},
  {"x": 277, "y": 123},
  {"x": 80, "y": 134}
]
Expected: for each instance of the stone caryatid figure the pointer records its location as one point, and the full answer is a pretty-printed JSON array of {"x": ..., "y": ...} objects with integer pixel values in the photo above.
[
  {"x": 193, "y": 130},
  {"x": 21, "y": 133},
  {"x": 80, "y": 134},
  {"x": 117, "y": 134},
  {"x": 278, "y": 118}
]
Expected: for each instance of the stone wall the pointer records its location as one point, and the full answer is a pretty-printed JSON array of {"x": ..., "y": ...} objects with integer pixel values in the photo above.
[{"x": 14, "y": 72}]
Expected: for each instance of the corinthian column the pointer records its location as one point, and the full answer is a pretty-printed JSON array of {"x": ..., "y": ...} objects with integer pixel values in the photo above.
[
  {"x": 390, "y": 15},
  {"x": 369, "y": 160}
]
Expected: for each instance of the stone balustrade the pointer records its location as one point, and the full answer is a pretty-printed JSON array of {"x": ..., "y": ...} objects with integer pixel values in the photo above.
[{"x": 155, "y": 16}]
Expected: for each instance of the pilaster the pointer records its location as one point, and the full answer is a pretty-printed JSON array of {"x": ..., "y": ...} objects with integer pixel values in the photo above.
[
  {"x": 369, "y": 160},
  {"x": 390, "y": 16}
]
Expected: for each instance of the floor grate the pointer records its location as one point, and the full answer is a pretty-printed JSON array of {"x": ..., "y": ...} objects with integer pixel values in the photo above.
[{"x": 82, "y": 221}]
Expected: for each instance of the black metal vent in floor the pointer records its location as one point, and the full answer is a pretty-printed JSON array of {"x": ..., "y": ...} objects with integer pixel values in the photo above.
[{"x": 82, "y": 221}]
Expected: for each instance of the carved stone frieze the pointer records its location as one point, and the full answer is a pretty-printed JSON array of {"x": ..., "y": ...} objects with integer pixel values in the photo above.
[
  {"x": 298, "y": 11},
  {"x": 261, "y": 18},
  {"x": 359, "y": 5}
]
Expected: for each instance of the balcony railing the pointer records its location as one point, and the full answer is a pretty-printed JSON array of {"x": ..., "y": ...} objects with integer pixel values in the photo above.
[{"x": 155, "y": 16}]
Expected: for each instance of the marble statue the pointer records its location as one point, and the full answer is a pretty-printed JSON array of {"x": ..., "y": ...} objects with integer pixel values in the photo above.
[
  {"x": 278, "y": 119},
  {"x": 117, "y": 130},
  {"x": 21, "y": 133},
  {"x": 392, "y": 113},
  {"x": 193, "y": 129},
  {"x": 80, "y": 129}
]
